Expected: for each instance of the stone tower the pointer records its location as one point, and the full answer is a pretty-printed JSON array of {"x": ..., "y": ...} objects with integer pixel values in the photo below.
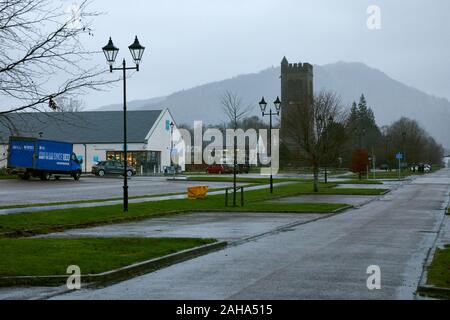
[{"x": 296, "y": 89}]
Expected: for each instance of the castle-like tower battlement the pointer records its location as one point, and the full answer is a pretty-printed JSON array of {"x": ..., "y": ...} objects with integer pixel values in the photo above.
[
  {"x": 296, "y": 83},
  {"x": 296, "y": 90},
  {"x": 297, "y": 68}
]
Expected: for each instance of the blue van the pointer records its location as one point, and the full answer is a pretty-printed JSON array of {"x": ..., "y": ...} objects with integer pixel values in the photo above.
[{"x": 31, "y": 157}]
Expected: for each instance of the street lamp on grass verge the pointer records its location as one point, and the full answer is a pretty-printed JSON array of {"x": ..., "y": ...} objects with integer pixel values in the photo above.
[
  {"x": 263, "y": 106},
  {"x": 137, "y": 52}
]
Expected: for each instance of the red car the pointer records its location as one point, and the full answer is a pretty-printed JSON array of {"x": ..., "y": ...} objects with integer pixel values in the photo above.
[{"x": 219, "y": 169}]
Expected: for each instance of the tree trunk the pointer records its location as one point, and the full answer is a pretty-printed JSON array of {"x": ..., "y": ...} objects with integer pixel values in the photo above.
[
  {"x": 316, "y": 179},
  {"x": 234, "y": 170}
]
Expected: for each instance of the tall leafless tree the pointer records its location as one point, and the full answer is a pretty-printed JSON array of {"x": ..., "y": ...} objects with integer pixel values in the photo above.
[
  {"x": 41, "y": 53},
  {"x": 66, "y": 104},
  {"x": 417, "y": 146},
  {"x": 235, "y": 111},
  {"x": 316, "y": 131}
]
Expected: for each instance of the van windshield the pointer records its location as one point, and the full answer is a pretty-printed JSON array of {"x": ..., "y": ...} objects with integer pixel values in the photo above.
[{"x": 74, "y": 158}]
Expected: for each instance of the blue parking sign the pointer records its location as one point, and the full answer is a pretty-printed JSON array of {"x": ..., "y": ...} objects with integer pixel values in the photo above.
[{"x": 399, "y": 156}]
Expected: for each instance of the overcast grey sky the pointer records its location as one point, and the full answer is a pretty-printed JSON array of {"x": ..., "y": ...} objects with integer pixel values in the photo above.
[{"x": 192, "y": 42}]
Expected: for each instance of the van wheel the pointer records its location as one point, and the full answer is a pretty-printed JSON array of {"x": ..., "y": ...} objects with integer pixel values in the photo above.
[
  {"x": 25, "y": 176},
  {"x": 76, "y": 176},
  {"x": 45, "y": 176}
]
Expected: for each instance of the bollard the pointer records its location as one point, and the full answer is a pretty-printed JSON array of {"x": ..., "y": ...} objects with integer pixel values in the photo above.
[{"x": 242, "y": 196}]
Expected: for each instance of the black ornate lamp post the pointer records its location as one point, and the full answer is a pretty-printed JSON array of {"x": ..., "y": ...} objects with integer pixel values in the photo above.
[
  {"x": 263, "y": 106},
  {"x": 111, "y": 52}
]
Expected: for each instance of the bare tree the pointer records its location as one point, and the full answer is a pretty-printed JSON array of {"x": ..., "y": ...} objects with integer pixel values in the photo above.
[
  {"x": 316, "y": 131},
  {"x": 417, "y": 146},
  {"x": 66, "y": 104},
  {"x": 234, "y": 108},
  {"x": 235, "y": 111},
  {"x": 335, "y": 139},
  {"x": 41, "y": 53}
]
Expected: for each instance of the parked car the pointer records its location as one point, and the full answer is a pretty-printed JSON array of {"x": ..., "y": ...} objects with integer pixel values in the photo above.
[
  {"x": 227, "y": 168},
  {"x": 112, "y": 167},
  {"x": 219, "y": 169},
  {"x": 243, "y": 168},
  {"x": 421, "y": 168}
]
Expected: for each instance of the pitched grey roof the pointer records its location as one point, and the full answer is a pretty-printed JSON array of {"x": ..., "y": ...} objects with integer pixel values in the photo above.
[{"x": 79, "y": 127}]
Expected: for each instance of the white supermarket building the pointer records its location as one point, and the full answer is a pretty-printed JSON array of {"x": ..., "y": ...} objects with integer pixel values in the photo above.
[{"x": 98, "y": 135}]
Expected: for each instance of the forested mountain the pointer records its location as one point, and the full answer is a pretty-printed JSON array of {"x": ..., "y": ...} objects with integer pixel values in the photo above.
[{"x": 389, "y": 99}]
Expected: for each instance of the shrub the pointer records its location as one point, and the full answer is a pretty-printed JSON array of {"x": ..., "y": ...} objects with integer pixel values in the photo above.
[{"x": 360, "y": 161}]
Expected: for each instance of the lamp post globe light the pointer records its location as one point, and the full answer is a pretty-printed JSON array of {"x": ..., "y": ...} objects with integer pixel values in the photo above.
[
  {"x": 263, "y": 106},
  {"x": 137, "y": 51}
]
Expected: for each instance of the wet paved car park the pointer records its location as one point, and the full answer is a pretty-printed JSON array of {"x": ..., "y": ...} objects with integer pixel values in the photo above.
[{"x": 17, "y": 192}]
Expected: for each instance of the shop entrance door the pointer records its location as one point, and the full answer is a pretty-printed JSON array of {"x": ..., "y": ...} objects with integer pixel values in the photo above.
[{"x": 145, "y": 162}]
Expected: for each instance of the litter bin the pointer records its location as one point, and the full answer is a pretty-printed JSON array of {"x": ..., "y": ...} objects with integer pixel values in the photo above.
[{"x": 197, "y": 192}]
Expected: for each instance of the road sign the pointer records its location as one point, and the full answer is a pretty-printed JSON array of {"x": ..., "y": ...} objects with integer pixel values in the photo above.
[{"x": 399, "y": 156}]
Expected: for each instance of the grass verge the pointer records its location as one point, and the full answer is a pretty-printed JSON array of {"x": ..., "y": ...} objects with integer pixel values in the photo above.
[
  {"x": 439, "y": 270},
  {"x": 57, "y": 220},
  {"x": 353, "y": 191},
  {"x": 33, "y": 205},
  {"x": 221, "y": 178},
  {"x": 7, "y": 177},
  {"x": 5, "y": 174},
  {"x": 390, "y": 174},
  {"x": 44, "y": 257},
  {"x": 379, "y": 175},
  {"x": 356, "y": 181},
  {"x": 276, "y": 180}
]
